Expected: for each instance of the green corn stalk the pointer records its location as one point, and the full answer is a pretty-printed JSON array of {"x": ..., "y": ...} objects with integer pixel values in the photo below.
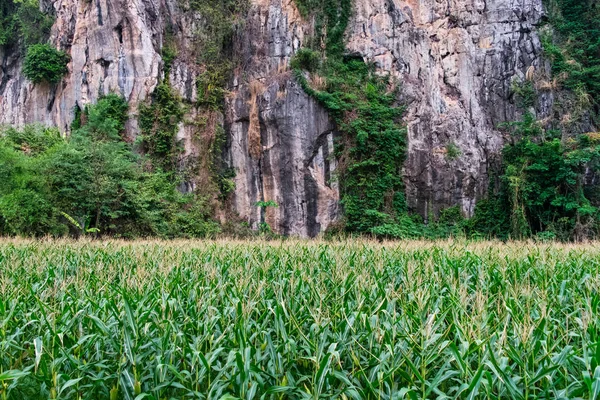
[{"x": 295, "y": 319}]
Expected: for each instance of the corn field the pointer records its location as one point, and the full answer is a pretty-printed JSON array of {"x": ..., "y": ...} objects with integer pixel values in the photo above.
[{"x": 298, "y": 320}]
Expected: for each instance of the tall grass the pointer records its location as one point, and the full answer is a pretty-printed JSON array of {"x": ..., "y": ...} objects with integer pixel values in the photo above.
[{"x": 298, "y": 320}]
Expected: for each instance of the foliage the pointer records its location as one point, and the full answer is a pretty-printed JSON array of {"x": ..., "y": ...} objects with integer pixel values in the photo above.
[
  {"x": 525, "y": 93},
  {"x": 8, "y": 26},
  {"x": 168, "y": 51},
  {"x": 331, "y": 20},
  {"x": 452, "y": 151},
  {"x": 362, "y": 103},
  {"x": 549, "y": 176},
  {"x": 214, "y": 50},
  {"x": 25, "y": 206},
  {"x": 211, "y": 87},
  {"x": 265, "y": 204},
  {"x": 214, "y": 40},
  {"x": 220, "y": 171},
  {"x": 32, "y": 139},
  {"x": 449, "y": 223},
  {"x": 213, "y": 320},
  {"x": 543, "y": 188},
  {"x": 92, "y": 182},
  {"x": 159, "y": 122},
  {"x": 220, "y": 20},
  {"x": 373, "y": 146},
  {"x": 490, "y": 220},
  {"x": 574, "y": 48},
  {"x": 306, "y": 59},
  {"x": 43, "y": 63},
  {"x": 22, "y": 19},
  {"x": 104, "y": 120}
]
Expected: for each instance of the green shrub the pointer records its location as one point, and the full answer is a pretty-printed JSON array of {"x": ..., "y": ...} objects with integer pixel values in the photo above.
[
  {"x": 306, "y": 59},
  {"x": 32, "y": 139},
  {"x": 490, "y": 220},
  {"x": 404, "y": 228},
  {"x": 104, "y": 120},
  {"x": 159, "y": 124},
  {"x": 525, "y": 93},
  {"x": 23, "y": 20},
  {"x": 546, "y": 236},
  {"x": 266, "y": 204},
  {"x": 195, "y": 220},
  {"x": 43, "y": 63},
  {"x": 92, "y": 183},
  {"x": 452, "y": 151},
  {"x": 25, "y": 207},
  {"x": 27, "y": 212},
  {"x": 211, "y": 87},
  {"x": 451, "y": 216}
]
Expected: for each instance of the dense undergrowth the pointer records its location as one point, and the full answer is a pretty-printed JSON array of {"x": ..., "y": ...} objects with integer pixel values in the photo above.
[
  {"x": 547, "y": 183},
  {"x": 298, "y": 320},
  {"x": 92, "y": 182}
]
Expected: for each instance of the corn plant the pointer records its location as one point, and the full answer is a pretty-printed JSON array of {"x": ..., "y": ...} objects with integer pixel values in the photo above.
[{"x": 298, "y": 320}]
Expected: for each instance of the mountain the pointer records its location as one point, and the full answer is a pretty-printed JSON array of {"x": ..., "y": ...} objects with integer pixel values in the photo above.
[{"x": 455, "y": 64}]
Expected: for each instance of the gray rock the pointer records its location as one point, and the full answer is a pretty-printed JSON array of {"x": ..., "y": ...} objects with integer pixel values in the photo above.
[{"x": 455, "y": 59}]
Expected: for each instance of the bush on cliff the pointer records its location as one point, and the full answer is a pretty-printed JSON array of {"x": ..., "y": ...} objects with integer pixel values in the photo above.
[{"x": 44, "y": 63}]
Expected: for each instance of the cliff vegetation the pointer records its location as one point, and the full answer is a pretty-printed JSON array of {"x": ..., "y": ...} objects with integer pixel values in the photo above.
[{"x": 545, "y": 186}]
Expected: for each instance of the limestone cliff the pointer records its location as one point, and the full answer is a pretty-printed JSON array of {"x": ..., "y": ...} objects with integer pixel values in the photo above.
[{"x": 456, "y": 61}]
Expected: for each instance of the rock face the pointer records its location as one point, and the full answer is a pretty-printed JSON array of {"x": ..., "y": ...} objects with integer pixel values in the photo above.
[
  {"x": 455, "y": 59},
  {"x": 113, "y": 47},
  {"x": 293, "y": 165}
]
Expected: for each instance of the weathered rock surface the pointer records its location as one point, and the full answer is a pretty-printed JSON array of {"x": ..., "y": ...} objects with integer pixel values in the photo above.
[
  {"x": 113, "y": 47},
  {"x": 293, "y": 166},
  {"x": 455, "y": 60}
]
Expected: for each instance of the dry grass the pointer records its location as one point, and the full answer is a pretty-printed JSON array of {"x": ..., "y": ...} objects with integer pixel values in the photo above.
[
  {"x": 547, "y": 85},
  {"x": 256, "y": 89},
  {"x": 317, "y": 82}
]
